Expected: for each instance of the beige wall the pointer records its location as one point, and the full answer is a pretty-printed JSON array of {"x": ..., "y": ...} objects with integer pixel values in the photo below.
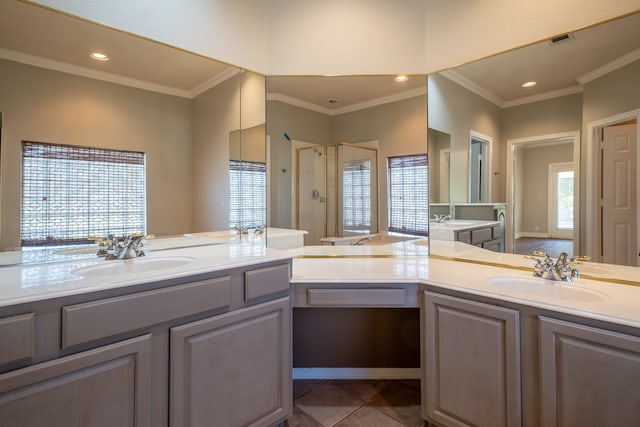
[
  {"x": 47, "y": 106},
  {"x": 286, "y": 37},
  {"x": 457, "y": 111}
]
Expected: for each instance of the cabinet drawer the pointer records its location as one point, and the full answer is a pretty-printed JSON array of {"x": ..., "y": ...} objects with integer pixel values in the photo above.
[
  {"x": 464, "y": 236},
  {"x": 497, "y": 232},
  {"x": 17, "y": 338},
  {"x": 266, "y": 281},
  {"x": 481, "y": 235},
  {"x": 375, "y": 297},
  {"x": 99, "y": 319},
  {"x": 492, "y": 245}
]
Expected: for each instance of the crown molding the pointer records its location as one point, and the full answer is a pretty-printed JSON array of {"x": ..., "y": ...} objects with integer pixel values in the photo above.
[
  {"x": 272, "y": 96},
  {"x": 609, "y": 67},
  {"x": 213, "y": 82},
  {"x": 544, "y": 96},
  {"x": 89, "y": 73},
  {"x": 473, "y": 87}
]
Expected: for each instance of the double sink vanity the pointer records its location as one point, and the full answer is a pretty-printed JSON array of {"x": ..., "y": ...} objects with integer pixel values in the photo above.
[{"x": 203, "y": 332}]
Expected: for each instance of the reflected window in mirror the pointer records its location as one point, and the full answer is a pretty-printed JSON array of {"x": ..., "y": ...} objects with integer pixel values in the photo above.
[
  {"x": 408, "y": 194},
  {"x": 356, "y": 195},
  {"x": 70, "y": 193},
  {"x": 247, "y": 194}
]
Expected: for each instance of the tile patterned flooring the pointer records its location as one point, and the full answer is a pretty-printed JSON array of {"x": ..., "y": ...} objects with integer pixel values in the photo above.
[{"x": 355, "y": 403}]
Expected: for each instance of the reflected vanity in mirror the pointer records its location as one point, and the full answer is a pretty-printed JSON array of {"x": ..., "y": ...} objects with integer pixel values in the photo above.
[
  {"x": 545, "y": 163},
  {"x": 331, "y": 142},
  {"x": 176, "y": 108}
]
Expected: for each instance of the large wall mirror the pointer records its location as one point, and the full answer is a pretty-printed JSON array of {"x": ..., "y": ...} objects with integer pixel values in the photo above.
[
  {"x": 191, "y": 116},
  {"x": 561, "y": 152},
  {"x": 330, "y": 140}
]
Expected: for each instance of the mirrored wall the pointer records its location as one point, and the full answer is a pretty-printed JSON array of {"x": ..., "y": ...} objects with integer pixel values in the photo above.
[
  {"x": 549, "y": 131},
  {"x": 330, "y": 140},
  {"x": 189, "y": 115}
]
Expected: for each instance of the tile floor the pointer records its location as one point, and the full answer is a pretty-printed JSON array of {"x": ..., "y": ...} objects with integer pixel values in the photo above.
[{"x": 358, "y": 403}]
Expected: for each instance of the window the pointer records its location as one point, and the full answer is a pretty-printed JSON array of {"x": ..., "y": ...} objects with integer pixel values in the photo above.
[
  {"x": 356, "y": 195},
  {"x": 70, "y": 193},
  {"x": 409, "y": 194},
  {"x": 247, "y": 193}
]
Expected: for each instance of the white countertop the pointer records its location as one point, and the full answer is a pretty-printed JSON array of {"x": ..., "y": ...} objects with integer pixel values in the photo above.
[{"x": 402, "y": 262}]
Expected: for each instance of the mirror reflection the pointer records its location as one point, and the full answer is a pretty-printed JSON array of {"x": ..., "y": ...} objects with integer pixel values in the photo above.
[
  {"x": 181, "y": 112},
  {"x": 340, "y": 149},
  {"x": 559, "y": 120}
]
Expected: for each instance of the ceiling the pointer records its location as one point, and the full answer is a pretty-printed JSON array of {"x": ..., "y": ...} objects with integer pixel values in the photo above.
[{"x": 41, "y": 37}]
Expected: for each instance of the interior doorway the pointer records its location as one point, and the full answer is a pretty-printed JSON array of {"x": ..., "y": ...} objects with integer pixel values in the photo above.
[
  {"x": 543, "y": 176},
  {"x": 479, "y": 168},
  {"x": 613, "y": 205}
]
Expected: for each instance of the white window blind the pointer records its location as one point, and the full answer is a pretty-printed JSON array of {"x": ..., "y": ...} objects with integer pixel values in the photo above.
[
  {"x": 356, "y": 195},
  {"x": 409, "y": 194},
  {"x": 247, "y": 194},
  {"x": 70, "y": 193}
]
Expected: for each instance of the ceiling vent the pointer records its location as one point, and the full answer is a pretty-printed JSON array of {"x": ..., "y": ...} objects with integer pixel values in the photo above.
[{"x": 560, "y": 39}]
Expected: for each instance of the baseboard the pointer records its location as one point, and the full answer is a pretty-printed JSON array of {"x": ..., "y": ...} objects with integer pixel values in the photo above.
[
  {"x": 533, "y": 234},
  {"x": 356, "y": 373}
]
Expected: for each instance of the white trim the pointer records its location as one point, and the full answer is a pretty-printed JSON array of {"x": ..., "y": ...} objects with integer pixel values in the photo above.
[
  {"x": 213, "y": 82},
  {"x": 593, "y": 229},
  {"x": 274, "y": 96},
  {"x": 609, "y": 67},
  {"x": 574, "y": 136},
  {"x": 534, "y": 235},
  {"x": 488, "y": 141},
  {"x": 356, "y": 373},
  {"x": 472, "y": 87},
  {"x": 544, "y": 96}
]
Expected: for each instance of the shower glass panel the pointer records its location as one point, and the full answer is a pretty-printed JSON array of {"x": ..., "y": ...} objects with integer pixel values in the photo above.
[{"x": 337, "y": 191}]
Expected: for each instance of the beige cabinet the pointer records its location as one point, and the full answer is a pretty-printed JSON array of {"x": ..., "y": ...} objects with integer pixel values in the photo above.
[
  {"x": 233, "y": 369},
  {"x": 107, "y": 386},
  {"x": 471, "y": 356},
  {"x": 589, "y": 376}
]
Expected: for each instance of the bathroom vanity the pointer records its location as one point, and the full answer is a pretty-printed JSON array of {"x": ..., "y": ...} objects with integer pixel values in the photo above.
[
  {"x": 209, "y": 336},
  {"x": 207, "y": 343}
]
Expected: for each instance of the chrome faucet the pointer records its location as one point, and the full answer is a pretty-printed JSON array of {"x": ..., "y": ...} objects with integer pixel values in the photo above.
[
  {"x": 123, "y": 247},
  {"x": 359, "y": 241},
  {"x": 562, "y": 269},
  {"x": 441, "y": 218}
]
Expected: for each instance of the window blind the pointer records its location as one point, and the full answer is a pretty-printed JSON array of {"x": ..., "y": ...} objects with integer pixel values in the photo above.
[
  {"x": 356, "y": 195},
  {"x": 70, "y": 193},
  {"x": 247, "y": 193},
  {"x": 408, "y": 194}
]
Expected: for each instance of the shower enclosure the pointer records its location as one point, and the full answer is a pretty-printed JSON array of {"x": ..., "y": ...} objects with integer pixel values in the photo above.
[{"x": 336, "y": 191}]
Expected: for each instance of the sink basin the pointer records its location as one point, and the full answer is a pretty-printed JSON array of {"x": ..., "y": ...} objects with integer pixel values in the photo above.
[
  {"x": 546, "y": 288},
  {"x": 132, "y": 266}
]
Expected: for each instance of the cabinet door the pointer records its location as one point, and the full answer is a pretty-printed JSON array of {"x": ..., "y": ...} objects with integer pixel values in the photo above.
[
  {"x": 589, "y": 376},
  {"x": 472, "y": 363},
  {"x": 233, "y": 369},
  {"x": 108, "y": 386}
]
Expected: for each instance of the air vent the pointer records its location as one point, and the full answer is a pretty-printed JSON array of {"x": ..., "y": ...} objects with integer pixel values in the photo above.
[{"x": 560, "y": 39}]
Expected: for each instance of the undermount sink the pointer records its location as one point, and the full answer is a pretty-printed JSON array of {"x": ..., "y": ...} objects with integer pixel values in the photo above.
[
  {"x": 132, "y": 266},
  {"x": 546, "y": 288}
]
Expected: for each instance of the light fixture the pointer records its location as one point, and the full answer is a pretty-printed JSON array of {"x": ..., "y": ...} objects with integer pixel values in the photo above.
[
  {"x": 402, "y": 78},
  {"x": 529, "y": 84},
  {"x": 99, "y": 56}
]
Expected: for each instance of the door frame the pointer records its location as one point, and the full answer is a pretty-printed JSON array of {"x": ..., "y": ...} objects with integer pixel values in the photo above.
[
  {"x": 593, "y": 216},
  {"x": 487, "y": 142},
  {"x": 514, "y": 143}
]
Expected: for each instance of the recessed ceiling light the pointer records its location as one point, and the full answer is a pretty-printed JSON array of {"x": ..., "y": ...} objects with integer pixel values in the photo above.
[
  {"x": 99, "y": 56},
  {"x": 529, "y": 84},
  {"x": 401, "y": 78}
]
